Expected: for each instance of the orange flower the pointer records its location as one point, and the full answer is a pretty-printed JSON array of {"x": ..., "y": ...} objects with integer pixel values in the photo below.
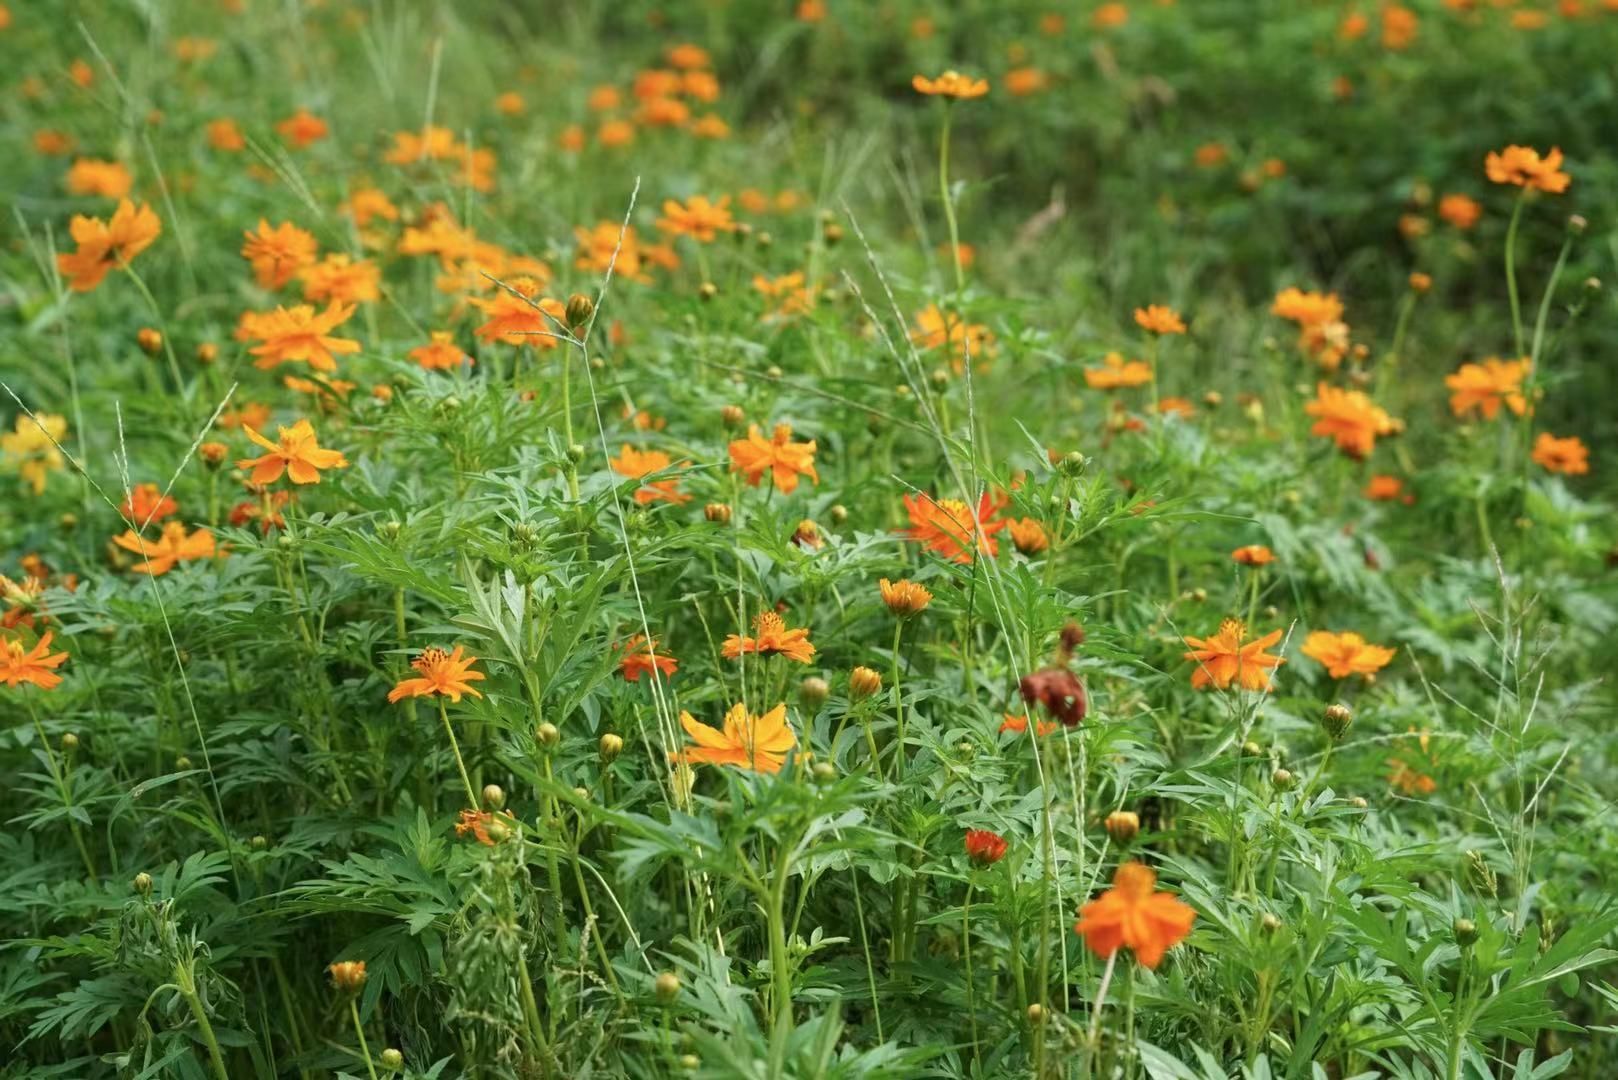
[
  {"x": 146, "y": 504},
  {"x": 1109, "y": 16},
  {"x": 440, "y": 354},
  {"x": 487, "y": 827},
  {"x": 949, "y": 527},
  {"x": 697, "y": 218},
  {"x": 1135, "y": 915},
  {"x": 1384, "y": 488},
  {"x": 1211, "y": 155},
  {"x": 297, "y": 453},
  {"x": 174, "y": 546},
  {"x": 223, "y": 134},
  {"x": 1346, "y": 654},
  {"x": 366, "y": 203},
  {"x": 1023, "y": 81},
  {"x": 1019, "y": 725},
  {"x": 431, "y": 143},
  {"x": 1568, "y": 455},
  {"x": 904, "y": 598},
  {"x": 1157, "y": 319},
  {"x": 522, "y": 319},
  {"x": 1399, "y": 26},
  {"x": 1028, "y": 535},
  {"x": 638, "y": 463},
  {"x": 1522, "y": 165},
  {"x": 641, "y": 656},
  {"x": 1253, "y": 555},
  {"x": 951, "y": 84},
  {"x": 937, "y": 329},
  {"x": 608, "y": 243},
  {"x": 773, "y": 637},
  {"x": 278, "y": 254},
  {"x": 1460, "y": 211},
  {"x": 778, "y": 455},
  {"x": 342, "y": 279},
  {"x": 449, "y": 674},
  {"x": 1405, "y": 774},
  {"x": 92, "y": 176},
  {"x": 1117, "y": 373},
  {"x": 1322, "y": 333},
  {"x": 1350, "y": 418},
  {"x": 103, "y": 245},
  {"x": 302, "y": 128},
  {"x": 1485, "y": 387},
  {"x": 19, "y": 665},
  {"x": 299, "y": 333},
  {"x": 52, "y": 143},
  {"x": 1226, "y": 657},
  {"x": 985, "y": 848},
  {"x": 268, "y": 516},
  {"x": 759, "y": 743}
]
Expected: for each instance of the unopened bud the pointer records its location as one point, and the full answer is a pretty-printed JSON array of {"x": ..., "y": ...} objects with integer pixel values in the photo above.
[
  {"x": 668, "y": 987},
  {"x": 575, "y": 453},
  {"x": 494, "y": 797},
  {"x": 718, "y": 513},
  {"x": 732, "y": 415},
  {"x": 707, "y": 291},
  {"x": 207, "y": 353},
  {"x": 258, "y": 843},
  {"x": 1577, "y": 224},
  {"x": 1466, "y": 932},
  {"x": 813, "y": 691},
  {"x": 1122, "y": 826},
  {"x": 1283, "y": 780},
  {"x": 143, "y": 883},
  {"x": 579, "y": 309},
  {"x": 182, "y": 763},
  {"x": 838, "y": 514},
  {"x": 1335, "y": 720},
  {"x": 611, "y": 746},
  {"x": 863, "y": 682},
  {"x": 149, "y": 340},
  {"x": 548, "y": 735},
  {"x": 392, "y": 1059},
  {"x": 1073, "y": 463},
  {"x": 824, "y": 772},
  {"x": 70, "y": 742},
  {"x": 1269, "y": 922},
  {"x": 1036, "y": 1014}
]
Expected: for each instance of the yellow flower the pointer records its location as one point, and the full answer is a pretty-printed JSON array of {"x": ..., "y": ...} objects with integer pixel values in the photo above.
[{"x": 31, "y": 450}]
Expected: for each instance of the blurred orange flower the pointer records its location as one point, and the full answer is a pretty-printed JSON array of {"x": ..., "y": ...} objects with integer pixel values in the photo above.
[
  {"x": 1485, "y": 386},
  {"x": 1568, "y": 455},
  {"x": 296, "y": 451},
  {"x": 1522, "y": 166},
  {"x": 298, "y": 333},
  {"x": 951, "y": 84},
  {"x": 1158, "y": 319},
  {"x": 641, "y": 656},
  {"x": 175, "y": 545},
  {"x": 1349, "y": 418},
  {"x": 278, "y": 254},
  {"x": 1346, "y": 654},
  {"x": 103, "y": 245},
  {"x": 778, "y": 455},
  {"x": 638, "y": 463},
  {"x": 1134, "y": 915}
]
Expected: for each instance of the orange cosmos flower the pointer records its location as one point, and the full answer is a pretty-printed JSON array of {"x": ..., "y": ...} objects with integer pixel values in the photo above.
[
  {"x": 367, "y": 203},
  {"x": 19, "y": 665},
  {"x": 146, "y": 504},
  {"x": 1568, "y": 455},
  {"x": 1405, "y": 771},
  {"x": 439, "y": 354},
  {"x": 1486, "y": 386},
  {"x": 951, "y": 84},
  {"x": 608, "y": 244},
  {"x": 1117, "y": 373},
  {"x": 1253, "y": 555},
  {"x": 1109, "y": 16},
  {"x": 772, "y": 637},
  {"x": 1028, "y": 535},
  {"x": 268, "y": 517},
  {"x": 297, "y": 453},
  {"x": 1460, "y": 211},
  {"x": 302, "y": 129},
  {"x": 522, "y": 319},
  {"x": 52, "y": 143},
  {"x": 342, "y": 279},
  {"x": 985, "y": 848},
  {"x": 697, "y": 218},
  {"x": 223, "y": 134},
  {"x": 299, "y": 333},
  {"x": 1350, "y": 418},
  {"x": 937, "y": 329},
  {"x": 1211, "y": 155},
  {"x": 103, "y": 245},
  {"x": 1135, "y": 915},
  {"x": 638, "y": 463},
  {"x": 278, "y": 254},
  {"x": 778, "y": 455},
  {"x": 449, "y": 674},
  {"x": 1158, "y": 319},
  {"x": 641, "y": 656},
  {"x": 949, "y": 527},
  {"x": 1399, "y": 26},
  {"x": 1522, "y": 166},
  {"x": 431, "y": 143},
  {"x": 486, "y": 827},
  {"x": 173, "y": 546},
  {"x": 1023, "y": 81},
  {"x": 1346, "y": 654},
  {"x": 92, "y": 176},
  {"x": 904, "y": 598},
  {"x": 1019, "y": 725},
  {"x": 1384, "y": 488},
  {"x": 759, "y": 743},
  {"x": 1227, "y": 657}
]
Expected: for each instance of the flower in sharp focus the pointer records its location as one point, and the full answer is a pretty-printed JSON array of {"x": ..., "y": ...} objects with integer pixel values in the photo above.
[
  {"x": 641, "y": 656},
  {"x": 297, "y": 452},
  {"x": 174, "y": 545},
  {"x": 1228, "y": 657},
  {"x": 904, "y": 598},
  {"x": 446, "y": 673},
  {"x": 20, "y": 665},
  {"x": 1346, "y": 654},
  {"x": 985, "y": 848},
  {"x": 950, "y": 528},
  {"x": 771, "y": 636},
  {"x": 1134, "y": 915},
  {"x": 1569, "y": 455},
  {"x": 758, "y": 743},
  {"x": 780, "y": 457},
  {"x": 1523, "y": 166},
  {"x": 951, "y": 84}
]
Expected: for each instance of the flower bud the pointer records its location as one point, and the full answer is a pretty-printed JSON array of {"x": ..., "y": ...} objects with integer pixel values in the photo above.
[
  {"x": 690, "y": 1062},
  {"x": 863, "y": 682},
  {"x": 548, "y": 735},
  {"x": 1252, "y": 749},
  {"x": 207, "y": 353},
  {"x": 1466, "y": 932},
  {"x": 667, "y": 987},
  {"x": 1283, "y": 780},
  {"x": 348, "y": 976},
  {"x": 70, "y": 742},
  {"x": 1358, "y": 802},
  {"x": 824, "y": 772},
  {"x": 143, "y": 883},
  {"x": 1335, "y": 720},
  {"x": 182, "y": 763},
  {"x": 611, "y": 746},
  {"x": 813, "y": 691},
  {"x": 582, "y": 794},
  {"x": 392, "y": 1059},
  {"x": 1419, "y": 282},
  {"x": 258, "y": 843},
  {"x": 1577, "y": 224},
  {"x": 1269, "y": 922},
  {"x": 707, "y": 291},
  {"x": 1592, "y": 284},
  {"x": 1036, "y": 1014},
  {"x": 833, "y": 235},
  {"x": 838, "y": 514},
  {"x": 149, "y": 340},
  {"x": 579, "y": 309},
  {"x": 494, "y": 797},
  {"x": 718, "y": 513},
  {"x": 732, "y": 416},
  {"x": 1073, "y": 463},
  {"x": 575, "y": 454},
  {"x": 1122, "y": 826}
]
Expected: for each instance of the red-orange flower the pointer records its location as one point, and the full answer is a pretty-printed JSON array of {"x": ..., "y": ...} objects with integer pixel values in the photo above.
[
  {"x": 486, "y": 827},
  {"x": 759, "y": 743},
  {"x": 1485, "y": 386},
  {"x": 296, "y": 451},
  {"x": 302, "y": 128},
  {"x": 640, "y": 656},
  {"x": 985, "y": 848},
  {"x": 638, "y": 463},
  {"x": 175, "y": 545},
  {"x": 19, "y": 665},
  {"x": 1522, "y": 166},
  {"x": 1348, "y": 417},
  {"x": 771, "y": 636},
  {"x": 1568, "y": 455},
  {"x": 1019, "y": 725},
  {"x": 778, "y": 455},
  {"x": 145, "y": 504},
  {"x": 1158, "y": 319},
  {"x": 1228, "y": 657},
  {"x": 1133, "y": 914},
  {"x": 103, "y": 245},
  {"x": 950, "y": 528},
  {"x": 1253, "y": 555},
  {"x": 449, "y": 674}
]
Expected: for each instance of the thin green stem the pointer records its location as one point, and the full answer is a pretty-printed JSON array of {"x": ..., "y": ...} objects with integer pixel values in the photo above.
[
  {"x": 471, "y": 793},
  {"x": 359, "y": 1032}
]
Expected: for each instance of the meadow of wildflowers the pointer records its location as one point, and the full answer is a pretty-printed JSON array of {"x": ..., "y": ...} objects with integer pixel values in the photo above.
[{"x": 808, "y": 538}]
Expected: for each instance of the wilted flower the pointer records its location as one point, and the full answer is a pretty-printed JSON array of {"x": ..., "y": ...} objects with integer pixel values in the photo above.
[{"x": 1059, "y": 690}]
